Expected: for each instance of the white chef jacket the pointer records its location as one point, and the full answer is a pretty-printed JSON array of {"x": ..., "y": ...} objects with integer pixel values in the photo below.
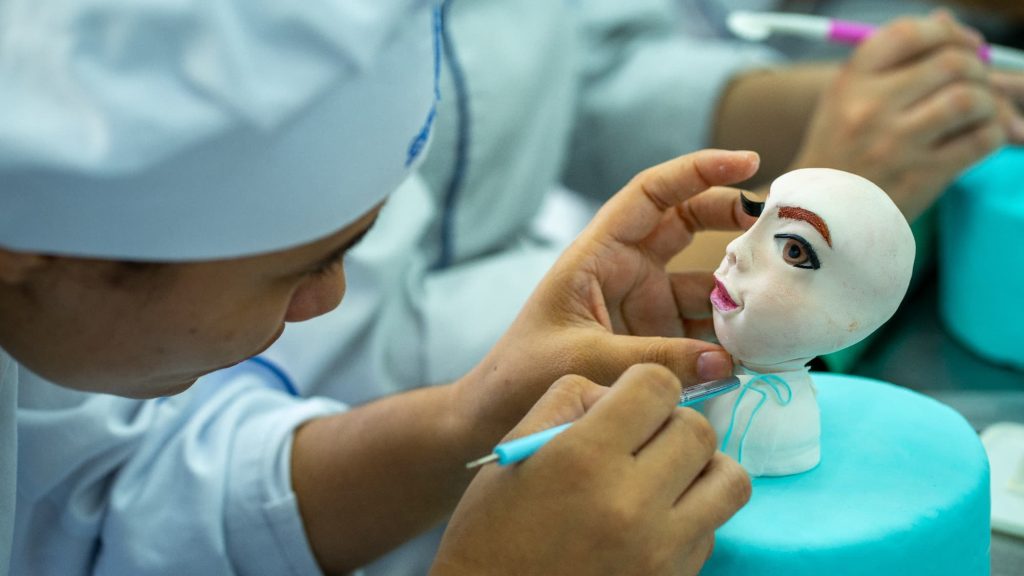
[
  {"x": 538, "y": 96},
  {"x": 8, "y": 455},
  {"x": 547, "y": 108},
  {"x": 195, "y": 484}
]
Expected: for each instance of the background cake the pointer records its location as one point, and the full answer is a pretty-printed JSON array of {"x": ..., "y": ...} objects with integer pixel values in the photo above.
[{"x": 981, "y": 266}]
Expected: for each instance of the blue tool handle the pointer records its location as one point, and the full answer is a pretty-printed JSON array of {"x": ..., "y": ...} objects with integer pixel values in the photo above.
[{"x": 522, "y": 448}]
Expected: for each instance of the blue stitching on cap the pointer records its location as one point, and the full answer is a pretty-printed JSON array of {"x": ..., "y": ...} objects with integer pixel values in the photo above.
[
  {"x": 420, "y": 141},
  {"x": 463, "y": 120}
]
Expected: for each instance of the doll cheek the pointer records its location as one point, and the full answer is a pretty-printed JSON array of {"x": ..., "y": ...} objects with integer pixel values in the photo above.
[{"x": 777, "y": 300}]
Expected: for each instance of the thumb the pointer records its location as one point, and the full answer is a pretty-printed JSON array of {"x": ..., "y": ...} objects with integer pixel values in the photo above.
[{"x": 692, "y": 361}]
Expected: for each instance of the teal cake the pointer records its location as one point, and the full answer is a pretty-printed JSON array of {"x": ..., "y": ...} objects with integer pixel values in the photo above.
[
  {"x": 902, "y": 489},
  {"x": 981, "y": 264}
]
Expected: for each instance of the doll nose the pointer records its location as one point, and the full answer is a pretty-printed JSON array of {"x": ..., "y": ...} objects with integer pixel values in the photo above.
[
  {"x": 730, "y": 258},
  {"x": 737, "y": 254}
]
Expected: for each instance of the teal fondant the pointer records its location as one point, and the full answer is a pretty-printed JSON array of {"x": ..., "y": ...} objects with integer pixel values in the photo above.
[
  {"x": 981, "y": 263},
  {"x": 902, "y": 489}
]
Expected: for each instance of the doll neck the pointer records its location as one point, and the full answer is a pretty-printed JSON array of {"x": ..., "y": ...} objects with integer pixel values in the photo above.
[
  {"x": 797, "y": 365},
  {"x": 796, "y": 382},
  {"x": 797, "y": 372}
]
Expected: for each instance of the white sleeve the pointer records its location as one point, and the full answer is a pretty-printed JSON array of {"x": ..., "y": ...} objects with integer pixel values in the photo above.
[
  {"x": 195, "y": 484},
  {"x": 649, "y": 90}
]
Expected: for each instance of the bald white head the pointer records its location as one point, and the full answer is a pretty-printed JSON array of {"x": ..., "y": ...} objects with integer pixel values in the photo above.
[{"x": 826, "y": 264}]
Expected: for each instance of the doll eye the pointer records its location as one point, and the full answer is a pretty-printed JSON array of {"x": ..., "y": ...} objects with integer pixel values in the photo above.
[{"x": 798, "y": 252}]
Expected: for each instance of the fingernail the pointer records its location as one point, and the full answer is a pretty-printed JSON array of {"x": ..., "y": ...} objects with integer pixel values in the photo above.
[
  {"x": 714, "y": 366},
  {"x": 751, "y": 155}
]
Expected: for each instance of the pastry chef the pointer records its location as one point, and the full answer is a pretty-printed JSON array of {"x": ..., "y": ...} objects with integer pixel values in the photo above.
[{"x": 179, "y": 181}]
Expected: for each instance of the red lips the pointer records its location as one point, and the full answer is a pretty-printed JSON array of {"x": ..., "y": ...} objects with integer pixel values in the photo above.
[{"x": 720, "y": 298}]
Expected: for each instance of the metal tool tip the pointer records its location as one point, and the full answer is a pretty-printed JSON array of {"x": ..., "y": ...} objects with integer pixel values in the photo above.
[{"x": 481, "y": 461}]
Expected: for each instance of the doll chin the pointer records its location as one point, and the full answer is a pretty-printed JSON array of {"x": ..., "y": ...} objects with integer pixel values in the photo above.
[
  {"x": 755, "y": 356},
  {"x": 762, "y": 350},
  {"x": 743, "y": 344}
]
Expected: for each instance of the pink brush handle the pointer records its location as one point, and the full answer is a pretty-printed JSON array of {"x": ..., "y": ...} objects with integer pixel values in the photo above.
[{"x": 848, "y": 32}]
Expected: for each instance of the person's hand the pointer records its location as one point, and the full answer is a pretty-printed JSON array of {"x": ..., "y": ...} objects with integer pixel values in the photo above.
[
  {"x": 1010, "y": 87},
  {"x": 911, "y": 109},
  {"x": 608, "y": 302},
  {"x": 635, "y": 486}
]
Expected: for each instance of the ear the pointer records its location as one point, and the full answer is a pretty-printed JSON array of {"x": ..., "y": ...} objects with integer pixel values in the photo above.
[{"x": 17, "y": 267}]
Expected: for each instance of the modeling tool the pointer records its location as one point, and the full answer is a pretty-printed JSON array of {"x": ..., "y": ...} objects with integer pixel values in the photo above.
[
  {"x": 522, "y": 448},
  {"x": 759, "y": 26}
]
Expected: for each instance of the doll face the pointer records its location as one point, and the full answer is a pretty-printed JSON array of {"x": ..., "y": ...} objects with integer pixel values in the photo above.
[{"x": 827, "y": 262}]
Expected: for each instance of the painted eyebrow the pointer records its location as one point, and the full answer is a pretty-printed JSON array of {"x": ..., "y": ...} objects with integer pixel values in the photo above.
[{"x": 794, "y": 213}]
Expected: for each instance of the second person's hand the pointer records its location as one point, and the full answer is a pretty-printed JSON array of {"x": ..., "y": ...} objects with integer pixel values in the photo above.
[{"x": 912, "y": 108}]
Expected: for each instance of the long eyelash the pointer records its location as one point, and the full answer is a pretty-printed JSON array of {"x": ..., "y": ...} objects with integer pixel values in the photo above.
[
  {"x": 814, "y": 263},
  {"x": 750, "y": 206}
]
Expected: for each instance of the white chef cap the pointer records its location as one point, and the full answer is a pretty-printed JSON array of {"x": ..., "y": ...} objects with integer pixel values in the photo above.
[{"x": 169, "y": 130}]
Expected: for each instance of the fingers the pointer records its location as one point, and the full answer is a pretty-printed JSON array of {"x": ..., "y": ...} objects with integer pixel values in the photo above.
[
  {"x": 634, "y": 409},
  {"x": 718, "y": 493},
  {"x": 640, "y": 314},
  {"x": 637, "y": 210},
  {"x": 692, "y": 292},
  {"x": 692, "y": 361},
  {"x": 946, "y": 66},
  {"x": 1010, "y": 88},
  {"x": 699, "y": 554},
  {"x": 685, "y": 445},
  {"x": 970, "y": 146},
  {"x": 906, "y": 39},
  {"x": 1012, "y": 121},
  {"x": 1010, "y": 84},
  {"x": 702, "y": 329},
  {"x": 566, "y": 401},
  {"x": 949, "y": 112},
  {"x": 718, "y": 208}
]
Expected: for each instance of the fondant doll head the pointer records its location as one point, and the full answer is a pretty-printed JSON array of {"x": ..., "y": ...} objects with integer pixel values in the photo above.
[{"x": 826, "y": 263}]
